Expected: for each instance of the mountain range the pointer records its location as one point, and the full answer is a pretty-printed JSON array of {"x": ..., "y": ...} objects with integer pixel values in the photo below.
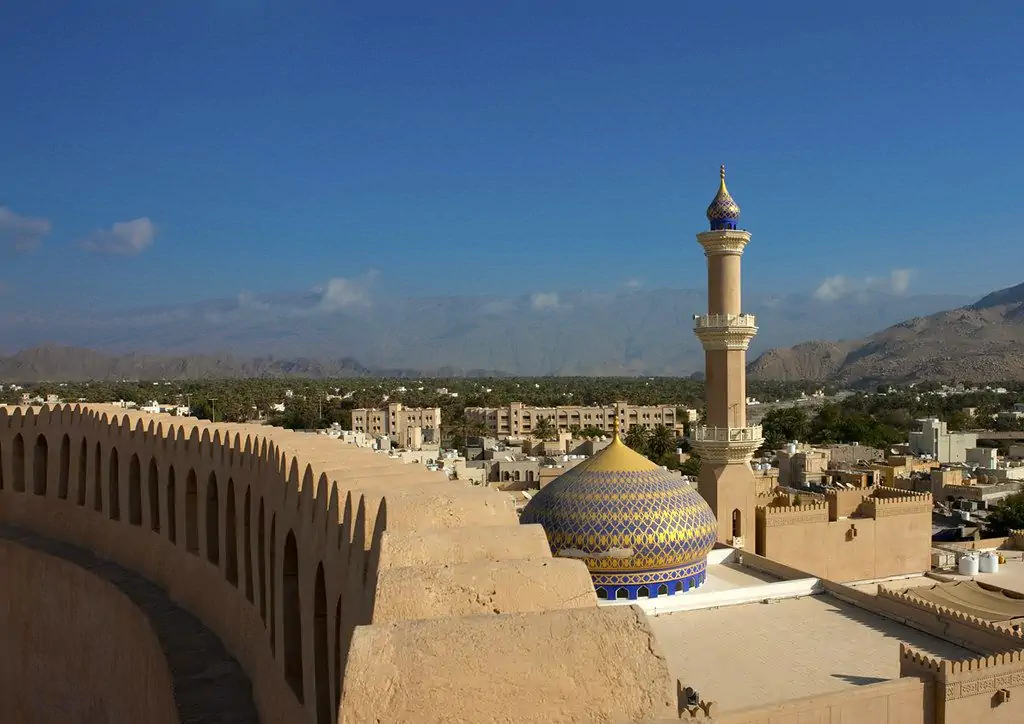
[
  {"x": 979, "y": 342},
  {"x": 324, "y": 333}
]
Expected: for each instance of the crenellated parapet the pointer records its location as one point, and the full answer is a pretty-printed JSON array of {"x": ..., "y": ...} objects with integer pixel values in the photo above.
[
  {"x": 302, "y": 553},
  {"x": 1010, "y": 638},
  {"x": 775, "y": 516},
  {"x": 885, "y": 502},
  {"x": 993, "y": 677}
]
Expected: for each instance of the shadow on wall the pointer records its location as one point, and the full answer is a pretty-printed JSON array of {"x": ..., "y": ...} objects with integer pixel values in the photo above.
[{"x": 284, "y": 591}]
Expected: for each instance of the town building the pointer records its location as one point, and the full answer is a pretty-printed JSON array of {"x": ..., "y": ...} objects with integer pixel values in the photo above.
[
  {"x": 937, "y": 442},
  {"x": 518, "y": 419},
  {"x": 410, "y": 427}
]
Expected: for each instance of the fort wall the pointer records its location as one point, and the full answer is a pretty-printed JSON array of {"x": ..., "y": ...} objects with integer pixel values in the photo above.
[
  {"x": 285, "y": 545},
  {"x": 885, "y": 534},
  {"x": 74, "y": 647}
]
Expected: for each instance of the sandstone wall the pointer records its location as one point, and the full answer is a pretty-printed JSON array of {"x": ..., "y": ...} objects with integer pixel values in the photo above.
[
  {"x": 74, "y": 648},
  {"x": 284, "y": 543}
]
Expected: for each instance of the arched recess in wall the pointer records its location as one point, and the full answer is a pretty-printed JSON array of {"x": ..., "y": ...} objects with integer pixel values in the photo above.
[
  {"x": 247, "y": 547},
  {"x": 114, "y": 501},
  {"x": 261, "y": 563},
  {"x": 40, "y": 463},
  {"x": 212, "y": 521},
  {"x": 291, "y": 616},
  {"x": 135, "y": 491},
  {"x": 191, "y": 514},
  {"x": 97, "y": 479},
  {"x": 273, "y": 584},
  {"x": 172, "y": 508},
  {"x": 231, "y": 536},
  {"x": 18, "y": 463},
  {"x": 153, "y": 488},
  {"x": 337, "y": 655},
  {"x": 83, "y": 472},
  {"x": 321, "y": 664},
  {"x": 737, "y": 522},
  {"x": 64, "y": 475}
]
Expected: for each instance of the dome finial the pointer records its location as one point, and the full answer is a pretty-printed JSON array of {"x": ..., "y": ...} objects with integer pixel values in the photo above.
[
  {"x": 615, "y": 427},
  {"x": 723, "y": 213}
]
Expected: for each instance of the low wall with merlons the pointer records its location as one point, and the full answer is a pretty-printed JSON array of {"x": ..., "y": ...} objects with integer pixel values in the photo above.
[{"x": 305, "y": 556}]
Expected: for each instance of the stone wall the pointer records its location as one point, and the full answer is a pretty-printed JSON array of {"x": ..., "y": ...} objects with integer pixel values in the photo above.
[
  {"x": 886, "y": 534},
  {"x": 75, "y": 649},
  {"x": 305, "y": 556}
]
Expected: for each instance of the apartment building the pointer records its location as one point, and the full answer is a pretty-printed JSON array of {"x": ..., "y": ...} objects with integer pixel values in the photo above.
[
  {"x": 400, "y": 423},
  {"x": 935, "y": 440},
  {"x": 519, "y": 419}
]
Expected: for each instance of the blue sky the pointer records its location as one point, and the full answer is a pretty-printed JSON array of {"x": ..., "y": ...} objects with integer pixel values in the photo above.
[{"x": 264, "y": 145}]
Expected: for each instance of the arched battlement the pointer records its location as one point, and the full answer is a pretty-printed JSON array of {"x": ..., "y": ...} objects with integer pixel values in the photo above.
[{"x": 276, "y": 541}]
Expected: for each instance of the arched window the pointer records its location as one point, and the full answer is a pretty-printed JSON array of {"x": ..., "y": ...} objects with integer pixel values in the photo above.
[
  {"x": 18, "y": 464},
  {"x": 212, "y": 521},
  {"x": 273, "y": 584},
  {"x": 622, "y": 593},
  {"x": 642, "y": 592},
  {"x": 737, "y": 523},
  {"x": 153, "y": 487},
  {"x": 337, "y": 655},
  {"x": 114, "y": 502},
  {"x": 135, "y": 491},
  {"x": 231, "y": 536},
  {"x": 65, "y": 468},
  {"x": 191, "y": 514},
  {"x": 40, "y": 461},
  {"x": 662, "y": 590},
  {"x": 261, "y": 563},
  {"x": 172, "y": 507},
  {"x": 602, "y": 593},
  {"x": 83, "y": 472},
  {"x": 320, "y": 653},
  {"x": 97, "y": 480},
  {"x": 291, "y": 620},
  {"x": 247, "y": 548}
]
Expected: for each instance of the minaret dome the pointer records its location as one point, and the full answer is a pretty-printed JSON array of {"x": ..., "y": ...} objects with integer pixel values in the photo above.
[{"x": 723, "y": 213}]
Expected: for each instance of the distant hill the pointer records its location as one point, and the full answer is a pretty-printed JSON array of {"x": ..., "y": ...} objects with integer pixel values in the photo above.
[
  {"x": 981, "y": 342},
  {"x": 596, "y": 332},
  {"x": 50, "y": 363}
]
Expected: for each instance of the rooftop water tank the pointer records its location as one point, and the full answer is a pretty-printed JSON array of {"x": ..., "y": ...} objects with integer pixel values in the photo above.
[
  {"x": 791, "y": 448},
  {"x": 989, "y": 562},
  {"x": 968, "y": 565}
]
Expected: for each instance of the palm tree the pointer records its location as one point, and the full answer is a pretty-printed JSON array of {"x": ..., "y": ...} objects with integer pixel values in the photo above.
[
  {"x": 638, "y": 438},
  {"x": 544, "y": 429},
  {"x": 661, "y": 442}
]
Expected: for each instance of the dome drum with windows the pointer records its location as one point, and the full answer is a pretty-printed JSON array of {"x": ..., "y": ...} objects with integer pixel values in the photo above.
[{"x": 641, "y": 530}]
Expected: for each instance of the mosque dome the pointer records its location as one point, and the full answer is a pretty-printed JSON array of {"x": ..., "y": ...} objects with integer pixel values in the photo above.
[
  {"x": 723, "y": 213},
  {"x": 640, "y": 529}
]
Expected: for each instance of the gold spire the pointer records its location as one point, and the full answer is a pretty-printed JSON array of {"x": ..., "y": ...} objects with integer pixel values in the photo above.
[
  {"x": 723, "y": 206},
  {"x": 615, "y": 426},
  {"x": 617, "y": 457}
]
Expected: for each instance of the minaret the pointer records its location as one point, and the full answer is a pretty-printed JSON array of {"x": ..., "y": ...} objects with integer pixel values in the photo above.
[{"x": 725, "y": 442}]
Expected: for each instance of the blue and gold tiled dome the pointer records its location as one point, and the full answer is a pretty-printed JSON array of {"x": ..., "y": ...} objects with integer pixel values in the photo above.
[
  {"x": 641, "y": 530},
  {"x": 723, "y": 213}
]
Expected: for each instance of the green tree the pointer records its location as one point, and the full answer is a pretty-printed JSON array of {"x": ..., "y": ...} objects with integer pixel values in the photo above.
[
  {"x": 1007, "y": 515},
  {"x": 690, "y": 466},
  {"x": 661, "y": 443},
  {"x": 544, "y": 429},
  {"x": 638, "y": 438},
  {"x": 782, "y": 425}
]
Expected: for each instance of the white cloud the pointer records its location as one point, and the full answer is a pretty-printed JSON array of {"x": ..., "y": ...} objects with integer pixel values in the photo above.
[
  {"x": 22, "y": 233},
  {"x": 124, "y": 237},
  {"x": 544, "y": 300},
  {"x": 341, "y": 293},
  {"x": 633, "y": 283},
  {"x": 840, "y": 286}
]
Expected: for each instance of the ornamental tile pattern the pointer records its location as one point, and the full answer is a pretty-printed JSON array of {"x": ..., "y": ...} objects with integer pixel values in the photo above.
[{"x": 647, "y": 526}]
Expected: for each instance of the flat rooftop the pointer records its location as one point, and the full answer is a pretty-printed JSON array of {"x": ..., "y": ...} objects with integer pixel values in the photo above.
[
  {"x": 728, "y": 576},
  {"x": 1010, "y": 575},
  {"x": 756, "y": 654}
]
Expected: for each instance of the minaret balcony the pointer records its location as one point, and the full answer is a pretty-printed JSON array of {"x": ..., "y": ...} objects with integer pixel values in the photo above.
[
  {"x": 725, "y": 331},
  {"x": 727, "y": 444}
]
